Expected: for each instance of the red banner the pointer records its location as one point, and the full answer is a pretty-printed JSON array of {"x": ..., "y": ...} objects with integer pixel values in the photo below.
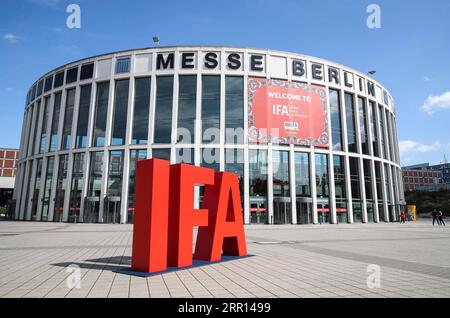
[{"x": 287, "y": 113}]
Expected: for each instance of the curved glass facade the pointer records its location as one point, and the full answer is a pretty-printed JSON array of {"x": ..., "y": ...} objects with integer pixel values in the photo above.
[{"x": 86, "y": 125}]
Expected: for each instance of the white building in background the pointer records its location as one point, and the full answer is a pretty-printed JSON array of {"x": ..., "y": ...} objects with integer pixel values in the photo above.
[{"x": 311, "y": 140}]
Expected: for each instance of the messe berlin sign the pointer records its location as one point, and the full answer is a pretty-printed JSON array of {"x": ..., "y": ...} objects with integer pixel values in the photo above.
[
  {"x": 165, "y": 216},
  {"x": 287, "y": 113}
]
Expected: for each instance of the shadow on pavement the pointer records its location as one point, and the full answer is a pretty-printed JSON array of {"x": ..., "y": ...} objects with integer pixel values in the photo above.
[{"x": 122, "y": 265}]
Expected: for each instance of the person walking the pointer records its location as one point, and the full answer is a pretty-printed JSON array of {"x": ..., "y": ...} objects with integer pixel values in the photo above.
[
  {"x": 402, "y": 217},
  {"x": 441, "y": 218},
  {"x": 435, "y": 217}
]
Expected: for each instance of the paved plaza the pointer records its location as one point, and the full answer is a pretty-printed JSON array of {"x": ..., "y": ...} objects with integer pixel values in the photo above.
[{"x": 286, "y": 261}]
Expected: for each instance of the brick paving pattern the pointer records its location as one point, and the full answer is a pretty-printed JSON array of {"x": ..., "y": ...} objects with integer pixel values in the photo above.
[{"x": 286, "y": 261}]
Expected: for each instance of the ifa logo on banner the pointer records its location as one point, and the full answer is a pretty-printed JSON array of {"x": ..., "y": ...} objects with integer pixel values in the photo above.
[{"x": 165, "y": 216}]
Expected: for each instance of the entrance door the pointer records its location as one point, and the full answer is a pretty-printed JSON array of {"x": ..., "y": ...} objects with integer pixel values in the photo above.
[
  {"x": 304, "y": 211},
  {"x": 323, "y": 213},
  {"x": 91, "y": 210},
  {"x": 112, "y": 210},
  {"x": 258, "y": 211},
  {"x": 282, "y": 211}
]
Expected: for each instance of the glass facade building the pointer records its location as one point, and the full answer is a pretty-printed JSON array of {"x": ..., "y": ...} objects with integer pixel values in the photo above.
[{"x": 86, "y": 124}]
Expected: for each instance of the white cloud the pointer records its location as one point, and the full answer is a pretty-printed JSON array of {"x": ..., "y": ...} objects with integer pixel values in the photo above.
[
  {"x": 436, "y": 103},
  {"x": 11, "y": 38},
  {"x": 409, "y": 146},
  {"x": 427, "y": 79}
]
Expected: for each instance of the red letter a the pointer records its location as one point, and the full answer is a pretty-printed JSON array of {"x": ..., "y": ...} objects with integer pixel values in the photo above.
[
  {"x": 225, "y": 230},
  {"x": 151, "y": 216}
]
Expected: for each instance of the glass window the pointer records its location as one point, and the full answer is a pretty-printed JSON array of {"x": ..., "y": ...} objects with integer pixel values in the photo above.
[
  {"x": 367, "y": 179},
  {"x": 35, "y": 140},
  {"x": 141, "y": 110},
  {"x": 389, "y": 193},
  {"x": 282, "y": 212},
  {"x": 362, "y": 125},
  {"x": 163, "y": 110},
  {"x": 119, "y": 127},
  {"x": 44, "y": 126},
  {"x": 135, "y": 156},
  {"x": 368, "y": 189},
  {"x": 187, "y": 100},
  {"x": 87, "y": 71},
  {"x": 163, "y": 154},
  {"x": 95, "y": 174},
  {"x": 335, "y": 113},
  {"x": 37, "y": 186},
  {"x": 234, "y": 163},
  {"x": 210, "y": 158},
  {"x": 72, "y": 75},
  {"x": 280, "y": 161},
  {"x": 40, "y": 88},
  {"x": 47, "y": 188},
  {"x": 322, "y": 188},
  {"x": 373, "y": 129},
  {"x": 234, "y": 110},
  {"x": 302, "y": 177},
  {"x": 322, "y": 180},
  {"x": 101, "y": 110},
  {"x": 115, "y": 173},
  {"x": 123, "y": 65},
  {"x": 303, "y": 188},
  {"x": 350, "y": 114},
  {"x": 59, "y": 79},
  {"x": 76, "y": 189},
  {"x": 61, "y": 185},
  {"x": 55, "y": 122},
  {"x": 210, "y": 108},
  {"x": 258, "y": 186},
  {"x": 68, "y": 117},
  {"x": 340, "y": 189},
  {"x": 33, "y": 93},
  {"x": 83, "y": 116},
  {"x": 389, "y": 136},
  {"x": 382, "y": 133},
  {"x": 356, "y": 191},
  {"x": 48, "y": 83},
  {"x": 26, "y": 188}
]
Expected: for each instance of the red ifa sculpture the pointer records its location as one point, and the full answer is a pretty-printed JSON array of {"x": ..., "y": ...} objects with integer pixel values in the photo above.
[{"x": 165, "y": 216}]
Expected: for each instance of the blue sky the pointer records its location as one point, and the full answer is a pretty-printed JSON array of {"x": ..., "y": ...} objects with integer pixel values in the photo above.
[{"x": 411, "y": 51}]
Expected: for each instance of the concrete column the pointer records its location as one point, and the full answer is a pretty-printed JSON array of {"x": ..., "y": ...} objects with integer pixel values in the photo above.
[
  {"x": 31, "y": 183},
  {"x": 312, "y": 173},
  {"x": 374, "y": 191},
  {"x": 246, "y": 157},
  {"x": 68, "y": 187},
  {"x": 385, "y": 192},
  {"x": 292, "y": 183},
  {"x": 362, "y": 190},
  {"x": 51, "y": 205},
  {"x": 270, "y": 184}
]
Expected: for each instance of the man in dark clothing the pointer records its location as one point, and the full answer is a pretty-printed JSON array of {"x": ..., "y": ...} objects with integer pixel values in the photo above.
[
  {"x": 435, "y": 217},
  {"x": 440, "y": 216}
]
